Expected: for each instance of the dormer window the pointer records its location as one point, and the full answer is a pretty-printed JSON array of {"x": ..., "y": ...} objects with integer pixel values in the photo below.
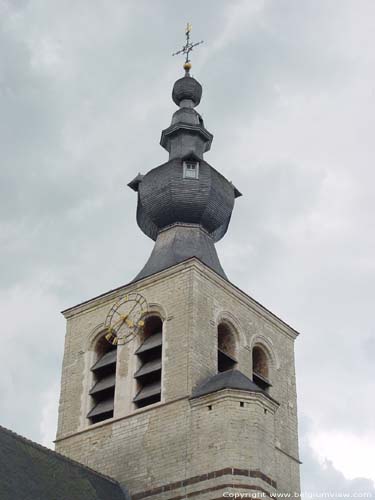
[{"x": 191, "y": 169}]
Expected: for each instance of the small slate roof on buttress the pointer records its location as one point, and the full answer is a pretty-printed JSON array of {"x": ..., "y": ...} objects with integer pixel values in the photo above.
[{"x": 230, "y": 379}]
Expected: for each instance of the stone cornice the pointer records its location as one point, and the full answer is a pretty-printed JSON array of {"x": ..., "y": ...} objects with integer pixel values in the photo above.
[
  {"x": 246, "y": 299},
  {"x": 141, "y": 284},
  {"x": 203, "y": 271}
]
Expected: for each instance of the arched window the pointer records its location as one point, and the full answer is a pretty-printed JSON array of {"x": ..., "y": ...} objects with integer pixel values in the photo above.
[
  {"x": 226, "y": 348},
  {"x": 261, "y": 368},
  {"x": 103, "y": 390},
  {"x": 149, "y": 354}
]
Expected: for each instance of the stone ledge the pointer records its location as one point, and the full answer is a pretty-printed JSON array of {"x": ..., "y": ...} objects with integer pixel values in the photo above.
[{"x": 114, "y": 420}]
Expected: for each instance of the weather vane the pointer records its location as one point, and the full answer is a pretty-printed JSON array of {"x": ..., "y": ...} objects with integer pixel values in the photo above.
[{"x": 187, "y": 48}]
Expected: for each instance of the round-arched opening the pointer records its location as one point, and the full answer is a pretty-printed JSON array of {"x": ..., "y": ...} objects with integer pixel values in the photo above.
[
  {"x": 102, "y": 346},
  {"x": 260, "y": 362},
  {"x": 102, "y": 391},
  {"x": 226, "y": 348},
  {"x": 153, "y": 325},
  {"x": 260, "y": 367},
  {"x": 149, "y": 372}
]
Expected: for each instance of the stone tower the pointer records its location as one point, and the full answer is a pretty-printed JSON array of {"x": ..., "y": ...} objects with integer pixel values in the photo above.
[{"x": 196, "y": 396}]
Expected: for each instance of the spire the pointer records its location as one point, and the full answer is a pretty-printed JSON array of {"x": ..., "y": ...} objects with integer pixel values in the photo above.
[
  {"x": 184, "y": 205},
  {"x": 187, "y": 48},
  {"x": 186, "y": 134}
]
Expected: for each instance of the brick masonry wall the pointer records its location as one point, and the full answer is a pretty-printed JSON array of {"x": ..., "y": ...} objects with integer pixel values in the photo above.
[{"x": 181, "y": 438}]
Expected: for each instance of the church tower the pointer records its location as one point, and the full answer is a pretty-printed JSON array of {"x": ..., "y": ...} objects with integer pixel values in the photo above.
[{"x": 179, "y": 384}]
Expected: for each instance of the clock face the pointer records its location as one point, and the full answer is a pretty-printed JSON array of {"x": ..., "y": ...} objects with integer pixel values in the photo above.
[{"x": 124, "y": 320}]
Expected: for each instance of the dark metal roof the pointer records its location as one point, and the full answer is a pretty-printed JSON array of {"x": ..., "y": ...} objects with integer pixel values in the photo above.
[
  {"x": 148, "y": 391},
  {"x": 262, "y": 378},
  {"x": 187, "y": 87},
  {"x": 29, "y": 471},
  {"x": 179, "y": 243},
  {"x": 150, "y": 367},
  {"x": 150, "y": 343},
  {"x": 135, "y": 182},
  {"x": 104, "y": 384},
  {"x": 227, "y": 355},
  {"x": 231, "y": 379},
  {"x": 178, "y": 136},
  {"x": 109, "y": 358},
  {"x": 165, "y": 197},
  {"x": 105, "y": 406}
]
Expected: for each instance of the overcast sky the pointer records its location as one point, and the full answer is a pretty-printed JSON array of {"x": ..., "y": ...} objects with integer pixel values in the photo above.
[{"x": 288, "y": 92}]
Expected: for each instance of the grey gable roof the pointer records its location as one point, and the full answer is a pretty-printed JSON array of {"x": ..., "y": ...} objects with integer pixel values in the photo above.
[
  {"x": 230, "y": 379},
  {"x": 29, "y": 471}
]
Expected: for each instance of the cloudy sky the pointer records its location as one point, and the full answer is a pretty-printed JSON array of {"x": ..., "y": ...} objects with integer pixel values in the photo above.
[{"x": 289, "y": 96}]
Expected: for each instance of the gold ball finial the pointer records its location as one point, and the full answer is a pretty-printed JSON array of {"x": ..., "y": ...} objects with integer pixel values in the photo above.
[{"x": 187, "y": 66}]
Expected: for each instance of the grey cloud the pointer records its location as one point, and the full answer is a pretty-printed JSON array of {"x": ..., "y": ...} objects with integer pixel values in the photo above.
[
  {"x": 85, "y": 91},
  {"x": 325, "y": 478}
]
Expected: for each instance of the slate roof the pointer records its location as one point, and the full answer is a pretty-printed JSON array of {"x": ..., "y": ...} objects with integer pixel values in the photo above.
[
  {"x": 177, "y": 244},
  {"x": 230, "y": 379},
  {"x": 187, "y": 87},
  {"x": 165, "y": 197},
  {"x": 29, "y": 471}
]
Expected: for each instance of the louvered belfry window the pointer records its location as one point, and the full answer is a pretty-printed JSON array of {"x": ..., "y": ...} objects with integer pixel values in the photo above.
[
  {"x": 226, "y": 347},
  {"x": 103, "y": 389},
  {"x": 260, "y": 368},
  {"x": 149, "y": 354}
]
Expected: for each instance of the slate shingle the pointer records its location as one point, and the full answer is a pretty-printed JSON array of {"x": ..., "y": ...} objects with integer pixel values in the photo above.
[{"x": 28, "y": 471}]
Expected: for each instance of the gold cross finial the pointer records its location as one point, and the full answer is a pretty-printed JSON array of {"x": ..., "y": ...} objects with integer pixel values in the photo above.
[{"x": 187, "y": 48}]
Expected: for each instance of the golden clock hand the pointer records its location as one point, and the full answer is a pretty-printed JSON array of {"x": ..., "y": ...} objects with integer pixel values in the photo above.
[
  {"x": 123, "y": 318},
  {"x": 131, "y": 310},
  {"x": 111, "y": 337}
]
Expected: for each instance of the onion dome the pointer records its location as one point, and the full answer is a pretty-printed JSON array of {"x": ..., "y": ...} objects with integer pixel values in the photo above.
[
  {"x": 187, "y": 88},
  {"x": 167, "y": 197},
  {"x": 184, "y": 205}
]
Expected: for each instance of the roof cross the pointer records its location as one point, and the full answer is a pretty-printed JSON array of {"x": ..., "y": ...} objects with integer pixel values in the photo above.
[{"x": 187, "y": 48}]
